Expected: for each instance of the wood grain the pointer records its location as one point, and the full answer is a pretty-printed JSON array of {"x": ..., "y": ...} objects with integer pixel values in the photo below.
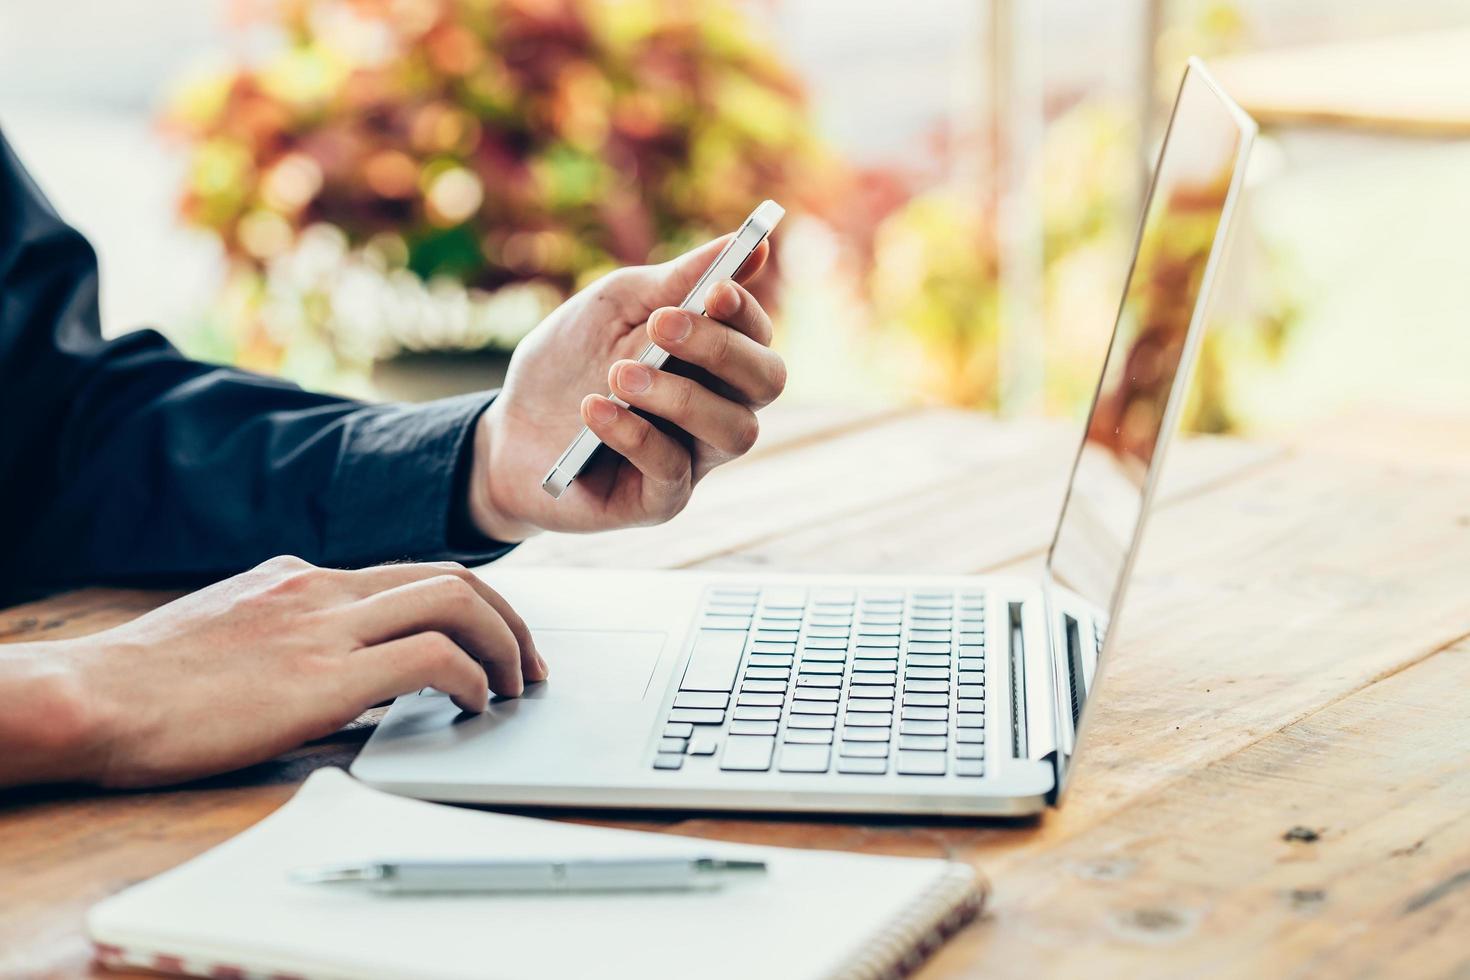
[{"x": 1295, "y": 654}]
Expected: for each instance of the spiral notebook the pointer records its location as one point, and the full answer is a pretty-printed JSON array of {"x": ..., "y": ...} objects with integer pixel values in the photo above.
[{"x": 232, "y": 912}]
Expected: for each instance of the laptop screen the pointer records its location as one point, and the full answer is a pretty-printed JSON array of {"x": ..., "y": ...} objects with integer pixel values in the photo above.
[{"x": 1138, "y": 399}]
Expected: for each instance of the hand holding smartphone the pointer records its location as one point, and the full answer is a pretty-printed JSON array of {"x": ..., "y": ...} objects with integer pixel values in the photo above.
[{"x": 755, "y": 230}]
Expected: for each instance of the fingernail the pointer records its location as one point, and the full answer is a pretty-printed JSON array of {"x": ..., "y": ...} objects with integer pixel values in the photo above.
[
  {"x": 545, "y": 670},
  {"x": 724, "y": 299},
  {"x": 602, "y": 410},
  {"x": 634, "y": 377},
  {"x": 672, "y": 325}
]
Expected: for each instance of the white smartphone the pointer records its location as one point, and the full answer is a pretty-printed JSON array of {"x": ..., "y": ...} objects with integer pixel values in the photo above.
[{"x": 754, "y": 231}]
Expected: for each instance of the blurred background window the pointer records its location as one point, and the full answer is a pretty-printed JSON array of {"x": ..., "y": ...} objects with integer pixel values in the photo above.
[{"x": 381, "y": 197}]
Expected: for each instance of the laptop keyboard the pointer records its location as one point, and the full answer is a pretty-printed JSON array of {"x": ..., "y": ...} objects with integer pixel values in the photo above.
[{"x": 859, "y": 681}]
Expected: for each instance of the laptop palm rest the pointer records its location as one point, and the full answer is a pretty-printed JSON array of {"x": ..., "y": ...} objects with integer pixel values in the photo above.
[{"x": 602, "y": 666}]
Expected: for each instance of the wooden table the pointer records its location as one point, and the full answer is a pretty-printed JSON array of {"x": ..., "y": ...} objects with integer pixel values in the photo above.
[
  {"x": 1404, "y": 84},
  {"x": 1277, "y": 780}
]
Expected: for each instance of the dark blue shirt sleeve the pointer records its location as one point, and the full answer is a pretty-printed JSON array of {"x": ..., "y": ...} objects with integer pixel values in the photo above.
[{"x": 124, "y": 462}]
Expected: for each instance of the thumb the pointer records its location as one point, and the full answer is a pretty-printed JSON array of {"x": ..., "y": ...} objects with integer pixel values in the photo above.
[{"x": 671, "y": 281}]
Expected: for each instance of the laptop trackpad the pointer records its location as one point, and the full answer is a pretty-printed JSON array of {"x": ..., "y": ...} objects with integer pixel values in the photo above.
[{"x": 593, "y": 665}]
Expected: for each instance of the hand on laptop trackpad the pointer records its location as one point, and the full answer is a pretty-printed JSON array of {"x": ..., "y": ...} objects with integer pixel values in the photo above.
[{"x": 592, "y": 665}]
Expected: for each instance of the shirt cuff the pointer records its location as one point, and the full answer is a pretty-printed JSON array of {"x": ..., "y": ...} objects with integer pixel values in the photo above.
[{"x": 393, "y": 494}]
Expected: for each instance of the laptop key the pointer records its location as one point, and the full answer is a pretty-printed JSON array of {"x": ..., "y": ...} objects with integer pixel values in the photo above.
[
  {"x": 805, "y": 693},
  {"x": 875, "y": 653},
  {"x": 971, "y": 690},
  {"x": 771, "y": 699},
  {"x": 920, "y": 763},
  {"x": 698, "y": 716},
  {"x": 811, "y": 721},
  {"x": 875, "y": 767},
  {"x": 805, "y": 758},
  {"x": 864, "y": 750},
  {"x": 969, "y": 704},
  {"x": 752, "y": 728},
  {"x": 678, "y": 730},
  {"x": 930, "y": 686},
  {"x": 825, "y": 643},
  {"x": 860, "y": 676},
  {"x": 929, "y": 660},
  {"x": 824, "y": 656},
  {"x": 969, "y": 751},
  {"x": 922, "y": 713},
  {"x": 861, "y": 690},
  {"x": 713, "y": 661},
  {"x": 767, "y": 673},
  {"x": 810, "y": 667},
  {"x": 819, "y": 680},
  {"x": 814, "y": 707},
  {"x": 870, "y": 704},
  {"x": 703, "y": 746},
  {"x": 672, "y": 744},
  {"x": 918, "y": 697},
  {"x": 748, "y": 753},
  {"x": 756, "y": 713},
  {"x": 863, "y": 719},
  {"x": 808, "y": 736},
  {"x": 969, "y": 767},
  {"x": 923, "y": 727},
  {"x": 763, "y": 687},
  {"x": 971, "y": 677},
  {"x": 667, "y": 760},
  {"x": 976, "y": 664},
  {"x": 701, "y": 699},
  {"x": 775, "y": 649},
  {"x": 771, "y": 660},
  {"x": 712, "y": 621},
  {"x": 969, "y": 719},
  {"x": 926, "y": 673},
  {"x": 923, "y": 743},
  {"x": 972, "y": 736},
  {"x": 865, "y": 734}
]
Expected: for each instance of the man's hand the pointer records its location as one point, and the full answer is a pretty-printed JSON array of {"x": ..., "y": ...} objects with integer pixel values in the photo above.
[
  {"x": 591, "y": 344},
  {"x": 250, "y": 667}
]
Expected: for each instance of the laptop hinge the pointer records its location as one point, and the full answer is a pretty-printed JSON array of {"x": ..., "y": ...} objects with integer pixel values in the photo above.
[{"x": 1030, "y": 692}]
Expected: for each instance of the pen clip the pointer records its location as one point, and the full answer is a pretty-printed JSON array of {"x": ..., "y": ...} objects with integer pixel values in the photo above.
[{"x": 334, "y": 874}]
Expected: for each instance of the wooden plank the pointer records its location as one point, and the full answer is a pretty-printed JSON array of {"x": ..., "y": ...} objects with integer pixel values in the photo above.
[
  {"x": 996, "y": 513},
  {"x": 1338, "y": 845},
  {"x": 76, "y": 613},
  {"x": 1256, "y": 604},
  {"x": 848, "y": 474},
  {"x": 1414, "y": 84}
]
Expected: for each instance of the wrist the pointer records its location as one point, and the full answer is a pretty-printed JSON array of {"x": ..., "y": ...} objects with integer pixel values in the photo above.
[
  {"x": 492, "y": 514},
  {"x": 53, "y": 728}
]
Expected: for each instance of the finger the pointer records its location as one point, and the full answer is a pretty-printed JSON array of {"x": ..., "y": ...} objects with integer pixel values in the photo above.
[
  {"x": 727, "y": 426},
  {"x": 449, "y": 605},
  {"x": 732, "y": 304},
  {"x": 755, "y": 371},
  {"x": 386, "y": 670},
  {"x": 380, "y": 578},
  {"x": 664, "y": 463},
  {"x": 669, "y": 282},
  {"x": 753, "y": 265}
]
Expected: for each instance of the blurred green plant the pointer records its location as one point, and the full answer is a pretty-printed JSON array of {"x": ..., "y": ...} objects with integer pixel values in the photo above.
[{"x": 392, "y": 163}]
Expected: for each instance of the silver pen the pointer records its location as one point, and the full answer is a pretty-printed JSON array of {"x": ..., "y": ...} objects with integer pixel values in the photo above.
[{"x": 431, "y": 877}]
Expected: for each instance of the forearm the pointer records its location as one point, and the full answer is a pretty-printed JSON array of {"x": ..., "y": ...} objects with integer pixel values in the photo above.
[{"x": 49, "y": 732}]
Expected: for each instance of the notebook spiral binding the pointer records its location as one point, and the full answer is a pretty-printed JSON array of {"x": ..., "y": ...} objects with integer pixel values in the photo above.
[{"x": 912, "y": 938}]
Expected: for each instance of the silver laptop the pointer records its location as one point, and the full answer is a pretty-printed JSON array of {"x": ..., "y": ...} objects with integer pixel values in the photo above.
[{"x": 916, "y": 695}]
